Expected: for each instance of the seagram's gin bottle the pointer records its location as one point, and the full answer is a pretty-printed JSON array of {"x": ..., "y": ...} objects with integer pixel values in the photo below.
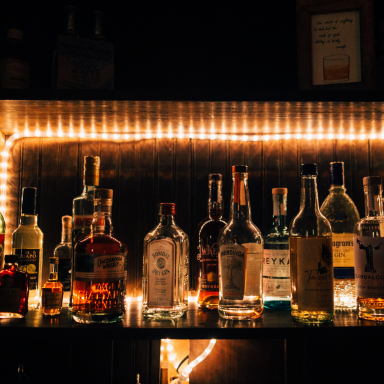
[
  {"x": 165, "y": 268},
  {"x": 342, "y": 214},
  {"x": 369, "y": 253},
  {"x": 240, "y": 256},
  {"x": 310, "y": 247}
]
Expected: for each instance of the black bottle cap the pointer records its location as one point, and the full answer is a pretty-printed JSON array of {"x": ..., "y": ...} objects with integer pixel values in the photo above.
[
  {"x": 372, "y": 180},
  {"x": 10, "y": 259},
  {"x": 28, "y": 201},
  {"x": 239, "y": 168},
  {"x": 337, "y": 173},
  {"x": 215, "y": 177},
  {"x": 308, "y": 169}
]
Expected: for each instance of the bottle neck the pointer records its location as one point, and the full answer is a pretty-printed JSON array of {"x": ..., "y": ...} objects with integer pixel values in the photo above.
[
  {"x": 279, "y": 212},
  {"x": 240, "y": 205},
  {"x": 28, "y": 219},
  {"x": 66, "y": 235},
  {"x": 168, "y": 220},
  {"x": 53, "y": 272},
  {"x": 102, "y": 220},
  {"x": 309, "y": 200},
  {"x": 373, "y": 200},
  {"x": 90, "y": 179},
  {"x": 215, "y": 200}
]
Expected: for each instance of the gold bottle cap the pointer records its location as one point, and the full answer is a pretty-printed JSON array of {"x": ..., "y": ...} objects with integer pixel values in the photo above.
[
  {"x": 91, "y": 170},
  {"x": 280, "y": 191},
  {"x": 66, "y": 221}
]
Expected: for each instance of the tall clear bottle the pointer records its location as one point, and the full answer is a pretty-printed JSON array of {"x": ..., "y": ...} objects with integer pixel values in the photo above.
[
  {"x": 368, "y": 246},
  {"x": 165, "y": 268},
  {"x": 240, "y": 256},
  {"x": 27, "y": 244},
  {"x": 276, "y": 268},
  {"x": 310, "y": 246},
  {"x": 342, "y": 214},
  {"x": 2, "y": 239}
]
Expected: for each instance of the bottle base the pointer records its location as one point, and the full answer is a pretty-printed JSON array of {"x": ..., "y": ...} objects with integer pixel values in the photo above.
[
  {"x": 371, "y": 309},
  {"x": 161, "y": 314},
  {"x": 312, "y": 317},
  {"x": 240, "y": 312},
  {"x": 91, "y": 318},
  {"x": 10, "y": 315},
  {"x": 282, "y": 305},
  {"x": 209, "y": 302}
]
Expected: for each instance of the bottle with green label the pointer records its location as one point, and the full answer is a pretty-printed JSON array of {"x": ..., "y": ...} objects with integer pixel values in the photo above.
[{"x": 27, "y": 244}]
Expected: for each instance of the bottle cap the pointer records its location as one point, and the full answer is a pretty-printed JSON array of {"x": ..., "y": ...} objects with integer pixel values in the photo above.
[
  {"x": 215, "y": 177},
  {"x": 308, "y": 169},
  {"x": 101, "y": 193},
  {"x": 167, "y": 209},
  {"x": 66, "y": 221},
  {"x": 279, "y": 191},
  {"x": 239, "y": 168},
  {"x": 337, "y": 173},
  {"x": 92, "y": 161},
  {"x": 372, "y": 180},
  {"x": 28, "y": 201},
  {"x": 10, "y": 259},
  {"x": 53, "y": 260},
  {"x": 14, "y": 33}
]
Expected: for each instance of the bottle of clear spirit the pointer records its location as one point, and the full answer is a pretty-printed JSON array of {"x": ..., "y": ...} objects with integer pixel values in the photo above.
[
  {"x": 276, "y": 268},
  {"x": 52, "y": 291},
  {"x": 63, "y": 252},
  {"x": 342, "y": 214},
  {"x": 2, "y": 238},
  {"x": 100, "y": 268},
  {"x": 208, "y": 288},
  {"x": 310, "y": 246},
  {"x": 165, "y": 268},
  {"x": 368, "y": 246},
  {"x": 240, "y": 256},
  {"x": 27, "y": 244}
]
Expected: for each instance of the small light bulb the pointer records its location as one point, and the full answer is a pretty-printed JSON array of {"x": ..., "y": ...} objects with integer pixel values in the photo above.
[
  {"x": 104, "y": 136},
  {"x": 202, "y": 136},
  {"x": 115, "y": 136},
  {"x": 320, "y": 136},
  {"x": 362, "y": 136},
  {"x": 126, "y": 136},
  {"x": 331, "y": 136},
  {"x": 148, "y": 136},
  {"x": 298, "y": 136},
  {"x": 191, "y": 136},
  {"x": 277, "y": 137},
  {"x": 266, "y": 138},
  {"x": 93, "y": 135},
  {"x": 255, "y": 138},
  {"x": 181, "y": 135},
  {"x": 234, "y": 137},
  {"x": 245, "y": 138},
  {"x": 309, "y": 136},
  {"x": 223, "y": 136},
  {"x": 341, "y": 136},
  {"x": 137, "y": 136},
  {"x": 372, "y": 136},
  {"x": 352, "y": 136},
  {"x": 287, "y": 136},
  {"x": 170, "y": 135},
  {"x": 212, "y": 136},
  {"x": 169, "y": 347}
]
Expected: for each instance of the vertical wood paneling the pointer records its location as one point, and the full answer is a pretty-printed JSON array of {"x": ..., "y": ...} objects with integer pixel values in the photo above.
[
  {"x": 308, "y": 152},
  {"x": 361, "y": 168},
  {"x": 343, "y": 153},
  {"x": 165, "y": 171},
  {"x": 324, "y": 158}
]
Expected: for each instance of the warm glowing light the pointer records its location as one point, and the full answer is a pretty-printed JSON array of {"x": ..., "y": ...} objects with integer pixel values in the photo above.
[
  {"x": 82, "y": 135},
  {"x": 181, "y": 135},
  {"x": 170, "y": 135},
  {"x": 202, "y": 136},
  {"x": 266, "y": 138},
  {"x": 331, "y": 136},
  {"x": 234, "y": 137},
  {"x": 352, "y": 136},
  {"x": 256, "y": 138},
  {"x": 162, "y": 348},
  {"x": 137, "y": 136},
  {"x": 320, "y": 136},
  {"x": 104, "y": 136},
  {"x": 212, "y": 136},
  {"x": 172, "y": 357},
  {"x": 309, "y": 136},
  {"x": 298, "y": 136},
  {"x": 148, "y": 136},
  {"x": 93, "y": 135},
  {"x": 341, "y": 136},
  {"x": 223, "y": 137},
  {"x": 170, "y": 347},
  {"x": 245, "y": 138},
  {"x": 276, "y": 137},
  {"x": 126, "y": 136},
  {"x": 362, "y": 136},
  {"x": 373, "y": 136}
]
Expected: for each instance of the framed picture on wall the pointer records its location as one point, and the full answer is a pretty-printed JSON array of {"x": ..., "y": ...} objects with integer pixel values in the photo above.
[{"x": 335, "y": 42}]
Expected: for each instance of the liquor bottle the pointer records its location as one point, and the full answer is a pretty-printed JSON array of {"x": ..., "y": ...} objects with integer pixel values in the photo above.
[
  {"x": 52, "y": 291},
  {"x": 63, "y": 252},
  {"x": 240, "y": 247},
  {"x": 165, "y": 268},
  {"x": 208, "y": 274},
  {"x": 342, "y": 214},
  {"x": 276, "y": 268},
  {"x": 99, "y": 268},
  {"x": 310, "y": 246},
  {"x": 2, "y": 238},
  {"x": 27, "y": 244},
  {"x": 368, "y": 247},
  {"x": 14, "y": 286},
  {"x": 14, "y": 66}
]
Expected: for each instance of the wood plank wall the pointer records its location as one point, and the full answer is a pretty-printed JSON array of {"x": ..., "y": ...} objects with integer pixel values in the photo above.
[{"x": 147, "y": 172}]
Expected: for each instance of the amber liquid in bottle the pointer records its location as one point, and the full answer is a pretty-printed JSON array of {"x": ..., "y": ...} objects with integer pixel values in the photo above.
[{"x": 52, "y": 291}]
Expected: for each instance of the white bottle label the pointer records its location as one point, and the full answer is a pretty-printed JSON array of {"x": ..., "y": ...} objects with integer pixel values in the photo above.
[
  {"x": 314, "y": 274},
  {"x": 254, "y": 269},
  {"x": 342, "y": 250},
  {"x": 276, "y": 272},
  {"x": 161, "y": 260},
  {"x": 369, "y": 266}
]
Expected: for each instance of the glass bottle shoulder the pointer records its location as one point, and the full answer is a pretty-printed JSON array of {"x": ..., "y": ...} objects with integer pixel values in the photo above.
[
  {"x": 369, "y": 226},
  {"x": 277, "y": 236},
  {"x": 212, "y": 227},
  {"x": 99, "y": 244},
  {"x": 310, "y": 223},
  {"x": 240, "y": 232},
  {"x": 63, "y": 251},
  {"x": 161, "y": 231}
]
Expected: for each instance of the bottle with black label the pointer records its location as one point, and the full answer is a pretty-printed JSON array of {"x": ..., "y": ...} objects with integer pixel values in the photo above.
[{"x": 27, "y": 244}]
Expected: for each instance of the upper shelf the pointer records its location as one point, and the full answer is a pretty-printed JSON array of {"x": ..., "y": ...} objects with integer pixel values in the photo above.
[{"x": 186, "y": 113}]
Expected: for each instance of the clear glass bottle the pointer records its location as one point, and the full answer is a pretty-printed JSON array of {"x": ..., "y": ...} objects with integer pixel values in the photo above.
[
  {"x": 310, "y": 246},
  {"x": 52, "y": 291},
  {"x": 368, "y": 246},
  {"x": 240, "y": 256},
  {"x": 2, "y": 239},
  {"x": 27, "y": 244},
  {"x": 63, "y": 252},
  {"x": 14, "y": 287},
  {"x": 276, "y": 268},
  {"x": 342, "y": 214},
  {"x": 207, "y": 271},
  {"x": 165, "y": 268},
  {"x": 99, "y": 268}
]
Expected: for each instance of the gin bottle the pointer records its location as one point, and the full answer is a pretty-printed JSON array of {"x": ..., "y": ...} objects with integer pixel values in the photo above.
[
  {"x": 342, "y": 214},
  {"x": 165, "y": 268},
  {"x": 310, "y": 247},
  {"x": 368, "y": 247},
  {"x": 52, "y": 291},
  {"x": 240, "y": 256},
  {"x": 27, "y": 244},
  {"x": 276, "y": 268}
]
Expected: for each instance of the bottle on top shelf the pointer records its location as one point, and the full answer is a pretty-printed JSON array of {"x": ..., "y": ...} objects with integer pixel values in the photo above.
[
  {"x": 2, "y": 239},
  {"x": 52, "y": 291},
  {"x": 342, "y": 214},
  {"x": 240, "y": 247},
  {"x": 310, "y": 246}
]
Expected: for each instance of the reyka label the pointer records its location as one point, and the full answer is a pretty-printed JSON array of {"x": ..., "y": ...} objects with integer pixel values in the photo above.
[
  {"x": 369, "y": 266},
  {"x": 52, "y": 300},
  {"x": 28, "y": 261},
  {"x": 343, "y": 259},
  {"x": 10, "y": 299},
  {"x": 207, "y": 256},
  {"x": 161, "y": 259},
  {"x": 276, "y": 272},
  {"x": 314, "y": 274},
  {"x": 82, "y": 221}
]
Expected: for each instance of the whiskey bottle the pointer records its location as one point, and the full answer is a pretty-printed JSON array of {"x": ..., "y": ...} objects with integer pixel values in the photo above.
[
  {"x": 27, "y": 244},
  {"x": 276, "y": 268},
  {"x": 165, "y": 268},
  {"x": 2, "y": 238},
  {"x": 310, "y": 246},
  {"x": 240, "y": 256},
  {"x": 342, "y": 214},
  {"x": 368, "y": 247},
  {"x": 63, "y": 252},
  {"x": 14, "y": 286},
  {"x": 52, "y": 291},
  {"x": 99, "y": 268},
  {"x": 208, "y": 283}
]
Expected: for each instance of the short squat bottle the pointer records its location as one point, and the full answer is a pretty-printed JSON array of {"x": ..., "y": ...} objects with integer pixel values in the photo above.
[
  {"x": 276, "y": 268},
  {"x": 165, "y": 268},
  {"x": 240, "y": 256},
  {"x": 368, "y": 247},
  {"x": 342, "y": 214},
  {"x": 52, "y": 291},
  {"x": 310, "y": 247}
]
